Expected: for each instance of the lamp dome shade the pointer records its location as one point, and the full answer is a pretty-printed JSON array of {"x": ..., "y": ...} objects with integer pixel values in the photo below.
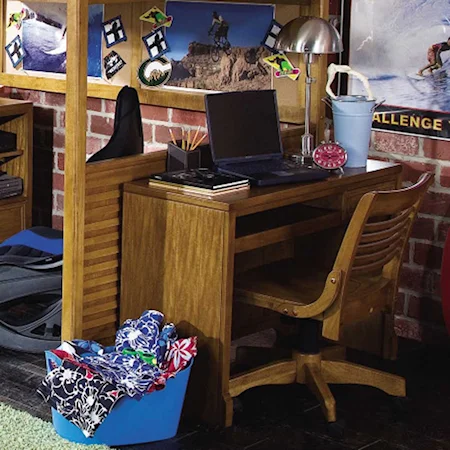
[{"x": 309, "y": 35}]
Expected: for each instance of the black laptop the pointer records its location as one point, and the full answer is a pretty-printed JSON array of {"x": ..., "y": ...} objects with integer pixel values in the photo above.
[{"x": 245, "y": 139}]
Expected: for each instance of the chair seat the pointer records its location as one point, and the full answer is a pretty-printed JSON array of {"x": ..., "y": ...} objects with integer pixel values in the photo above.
[{"x": 273, "y": 285}]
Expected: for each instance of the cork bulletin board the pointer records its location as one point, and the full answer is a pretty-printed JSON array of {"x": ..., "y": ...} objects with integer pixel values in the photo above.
[{"x": 47, "y": 21}]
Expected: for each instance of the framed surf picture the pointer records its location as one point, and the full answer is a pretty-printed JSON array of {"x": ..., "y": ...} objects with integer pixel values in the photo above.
[
  {"x": 42, "y": 28},
  {"x": 404, "y": 50}
]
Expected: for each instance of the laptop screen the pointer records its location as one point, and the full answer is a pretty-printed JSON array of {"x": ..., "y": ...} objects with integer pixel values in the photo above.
[{"x": 243, "y": 125}]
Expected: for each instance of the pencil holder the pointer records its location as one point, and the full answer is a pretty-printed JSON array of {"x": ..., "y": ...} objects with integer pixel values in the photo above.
[{"x": 179, "y": 159}]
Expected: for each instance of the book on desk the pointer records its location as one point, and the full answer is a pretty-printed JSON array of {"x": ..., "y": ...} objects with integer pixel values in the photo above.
[{"x": 199, "y": 182}]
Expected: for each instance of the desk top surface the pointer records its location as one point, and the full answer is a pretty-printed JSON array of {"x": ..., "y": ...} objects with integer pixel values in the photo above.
[{"x": 273, "y": 196}]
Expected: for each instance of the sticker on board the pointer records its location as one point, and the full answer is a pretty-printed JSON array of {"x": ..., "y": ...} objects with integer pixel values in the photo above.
[
  {"x": 283, "y": 67},
  {"x": 155, "y": 73},
  {"x": 156, "y": 44},
  {"x": 271, "y": 35},
  {"x": 112, "y": 63},
  {"x": 15, "y": 51},
  {"x": 114, "y": 31},
  {"x": 157, "y": 18},
  {"x": 16, "y": 19}
]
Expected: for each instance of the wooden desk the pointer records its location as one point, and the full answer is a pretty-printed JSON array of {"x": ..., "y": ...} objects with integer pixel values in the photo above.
[{"x": 180, "y": 253}]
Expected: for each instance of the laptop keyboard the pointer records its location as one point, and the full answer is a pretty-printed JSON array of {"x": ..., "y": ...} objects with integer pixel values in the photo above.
[{"x": 251, "y": 168}]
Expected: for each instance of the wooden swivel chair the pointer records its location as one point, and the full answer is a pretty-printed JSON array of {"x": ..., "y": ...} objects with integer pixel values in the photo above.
[{"x": 362, "y": 281}]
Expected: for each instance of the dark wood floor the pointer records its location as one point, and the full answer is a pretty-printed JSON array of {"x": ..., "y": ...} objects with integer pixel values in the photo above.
[{"x": 288, "y": 417}]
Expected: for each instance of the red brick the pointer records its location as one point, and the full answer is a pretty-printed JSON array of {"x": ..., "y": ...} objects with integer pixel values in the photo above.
[
  {"x": 162, "y": 134},
  {"x": 94, "y": 104},
  {"x": 436, "y": 204},
  {"x": 110, "y": 106},
  {"x": 407, "y": 253},
  {"x": 149, "y": 147},
  {"x": 407, "y": 328},
  {"x": 59, "y": 202},
  {"x": 102, "y": 125},
  {"x": 58, "y": 222},
  {"x": 58, "y": 181},
  {"x": 396, "y": 143},
  {"x": 423, "y": 228},
  {"x": 54, "y": 99},
  {"x": 400, "y": 303},
  {"x": 193, "y": 118},
  {"x": 445, "y": 177},
  {"x": 413, "y": 169},
  {"x": 150, "y": 112},
  {"x": 417, "y": 279},
  {"x": 427, "y": 255},
  {"x": 31, "y": 96},
  {"x": 148, "y": 132},
  {"x": 436, "y": 149},
  {"x": 425, "y": 309},
  {"x": 5, "y": 92},
  {"x": 60, "y": 160},
  {"x": 58, "y": 139},
  {"x": 93, "y": 144},
  {"x": 442, "y": 231}
]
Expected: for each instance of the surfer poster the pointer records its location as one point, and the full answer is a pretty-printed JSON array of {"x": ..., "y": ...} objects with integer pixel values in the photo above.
[
  {"x": 43, "y": 29},
  {"x": 404, "y": 50}
]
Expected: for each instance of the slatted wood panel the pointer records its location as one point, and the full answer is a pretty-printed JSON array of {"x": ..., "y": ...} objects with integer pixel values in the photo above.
[{"x": 102, "y": 239}]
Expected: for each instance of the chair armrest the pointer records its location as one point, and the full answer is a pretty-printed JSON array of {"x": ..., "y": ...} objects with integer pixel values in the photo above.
[{"x": 329, "y": 294}]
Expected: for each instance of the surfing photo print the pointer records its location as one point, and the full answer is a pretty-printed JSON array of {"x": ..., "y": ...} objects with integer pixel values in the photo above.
[{"x": 404, "y": 50}]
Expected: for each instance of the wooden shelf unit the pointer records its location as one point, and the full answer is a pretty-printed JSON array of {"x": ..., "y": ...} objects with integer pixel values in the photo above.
[{"x": 15, "y": 212}]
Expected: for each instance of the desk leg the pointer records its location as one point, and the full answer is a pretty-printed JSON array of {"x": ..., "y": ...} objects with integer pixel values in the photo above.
[{"x": 179, "y": 258}]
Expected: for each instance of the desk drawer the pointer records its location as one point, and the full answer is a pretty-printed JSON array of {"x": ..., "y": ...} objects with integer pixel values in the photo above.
[
  {"x": 352, "y": 197},
  {"x": 12, "y": 219}
]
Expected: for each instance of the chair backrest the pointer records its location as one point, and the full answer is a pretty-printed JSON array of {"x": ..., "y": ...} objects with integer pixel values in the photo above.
[{"x": 372, "y": 251}]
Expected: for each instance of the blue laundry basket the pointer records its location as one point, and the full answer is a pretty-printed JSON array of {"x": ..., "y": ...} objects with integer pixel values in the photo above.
[{"x": 153, "y": 418}]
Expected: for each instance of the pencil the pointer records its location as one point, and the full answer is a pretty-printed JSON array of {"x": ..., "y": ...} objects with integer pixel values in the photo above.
[
  {"x": 199, "y": 142},
  {"x": 172, "y": 136},
  {"x": 188, "y": 140},
  {"x": 195, "y": 136},
  {"x": 183, "y": 145}
]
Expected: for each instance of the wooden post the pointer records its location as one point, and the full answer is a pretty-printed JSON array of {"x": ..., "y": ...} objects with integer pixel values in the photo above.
[{"x": 75, "y": 168}]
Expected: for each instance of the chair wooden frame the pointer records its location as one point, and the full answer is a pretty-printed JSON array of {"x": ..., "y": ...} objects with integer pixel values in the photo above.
[{"x": 363, "y": 280}]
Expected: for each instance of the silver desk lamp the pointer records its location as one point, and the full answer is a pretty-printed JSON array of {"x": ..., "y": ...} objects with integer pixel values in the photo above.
[{"x": 310, "y": 36}]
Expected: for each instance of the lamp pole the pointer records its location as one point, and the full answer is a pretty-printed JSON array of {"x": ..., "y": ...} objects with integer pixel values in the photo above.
[{"x": 308, "y": 138}]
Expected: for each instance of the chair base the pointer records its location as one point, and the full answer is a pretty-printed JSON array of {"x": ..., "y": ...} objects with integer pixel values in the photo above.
[{"x": 317, "y": 371}]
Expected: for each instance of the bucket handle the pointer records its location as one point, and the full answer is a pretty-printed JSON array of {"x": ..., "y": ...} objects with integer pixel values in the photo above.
[
  {"x": 334, "y": 68},
  {"x": 377, "y": 105}
]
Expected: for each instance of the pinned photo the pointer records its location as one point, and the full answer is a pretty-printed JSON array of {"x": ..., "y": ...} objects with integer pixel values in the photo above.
[
  {"x": 283, "y": 67},
  {"x": 157, "y": 18},
  {"x": 15, "y": 51},
  {"x": 114, "y": 31},
  {"x": 112, "y": 63},
  {"x": 156, "y": 44},
  {"x": 271, "y": 35},
  {"x": 155, "y": 73}
]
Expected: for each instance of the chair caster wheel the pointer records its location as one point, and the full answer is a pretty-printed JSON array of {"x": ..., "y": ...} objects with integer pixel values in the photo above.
[{"x": 336, "y": 429}]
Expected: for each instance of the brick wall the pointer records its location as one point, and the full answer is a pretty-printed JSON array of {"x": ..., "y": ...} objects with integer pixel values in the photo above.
[{"x": 419, "y": 313}]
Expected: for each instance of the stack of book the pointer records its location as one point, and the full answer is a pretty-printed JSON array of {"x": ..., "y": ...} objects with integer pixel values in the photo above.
[{"x": 204, "y": 182}]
